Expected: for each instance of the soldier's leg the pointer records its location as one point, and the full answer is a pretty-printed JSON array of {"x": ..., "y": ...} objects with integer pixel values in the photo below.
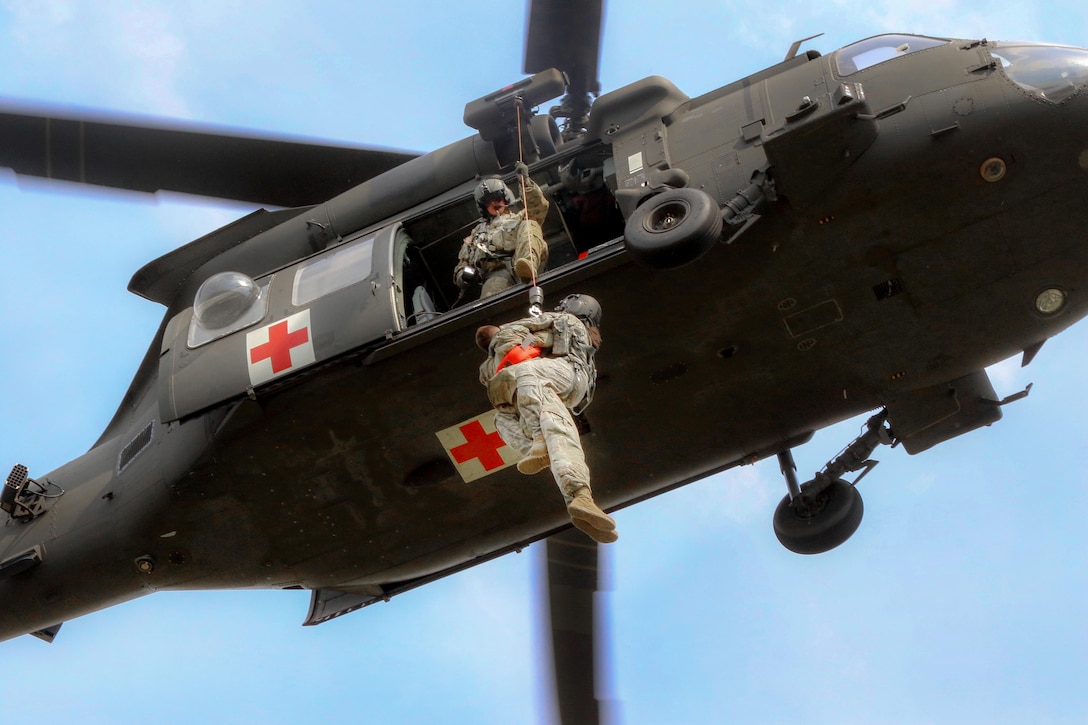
[
  {"x": 569, "y": 468},
  {"x": 536, "y": 459},
  {"x": 496, "y": 282},
  {"x": 528, "y": 443},
  {"x": 541, "y": 383},
  {"x": 588, "y": 518},
  {"x": 531, "y": 251},
  {"x": 510, "y": 428},
  {"x": 568, "y": 461},
  {"x": 535, "y": 455},
  {"x": 539, "y": 387}
]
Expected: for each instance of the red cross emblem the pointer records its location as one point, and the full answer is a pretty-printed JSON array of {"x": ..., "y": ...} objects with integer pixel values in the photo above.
[
  {"x": 279, "y": 348},
  {"x": 476, "y": 448},
  {"x": 479, "y": 444}
]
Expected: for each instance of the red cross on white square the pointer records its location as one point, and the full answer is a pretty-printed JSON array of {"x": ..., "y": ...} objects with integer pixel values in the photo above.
[
  {"x": 279, "y": 348},
  {"x": 476, "y": 448}
]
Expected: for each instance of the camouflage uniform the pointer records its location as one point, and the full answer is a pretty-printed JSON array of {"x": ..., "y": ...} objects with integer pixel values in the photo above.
[
  {"x": 534, "y": 398},
  {"x": 495, "y": 244}
]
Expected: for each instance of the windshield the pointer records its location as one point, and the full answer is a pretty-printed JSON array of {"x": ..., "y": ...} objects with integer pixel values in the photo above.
[
  {"x": 869, "y": 52},
  {"x": 1050, "y": 72}
]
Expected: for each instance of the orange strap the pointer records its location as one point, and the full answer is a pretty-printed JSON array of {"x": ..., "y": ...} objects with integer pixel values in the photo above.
[{"x": 518, "y": 354}]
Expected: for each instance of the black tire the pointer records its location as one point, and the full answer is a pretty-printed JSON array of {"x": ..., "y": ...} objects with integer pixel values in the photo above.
[
  {"x": 827, "y": 522},
  {"x": 673, "y": 228}
]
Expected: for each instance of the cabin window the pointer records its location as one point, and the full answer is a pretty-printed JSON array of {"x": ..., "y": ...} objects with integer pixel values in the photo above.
[
  {"x": 870, "y": 52},
  {"x": 225, "y": 303},
  {"x": 1050, "y": 72},
  {"x": 334, "y": 271}
]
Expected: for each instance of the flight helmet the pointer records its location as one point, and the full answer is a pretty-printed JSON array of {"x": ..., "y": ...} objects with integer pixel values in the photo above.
[
  {"x": 489, "y": 189},
  {"x": 584, "y": 307}
]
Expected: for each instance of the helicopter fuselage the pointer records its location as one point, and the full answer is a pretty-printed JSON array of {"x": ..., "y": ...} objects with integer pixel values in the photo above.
[{"x": 920, "y": 218}]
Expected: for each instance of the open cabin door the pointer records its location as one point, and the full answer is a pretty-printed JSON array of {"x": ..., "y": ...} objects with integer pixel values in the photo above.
[{"x": 241, "y": 334}]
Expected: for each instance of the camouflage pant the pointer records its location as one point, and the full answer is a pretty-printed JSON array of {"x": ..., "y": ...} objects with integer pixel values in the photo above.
[
  {"x": 529, "y": 244},
  {"x": 546, "y": 390},
  {"x": 498, "y": 278}
]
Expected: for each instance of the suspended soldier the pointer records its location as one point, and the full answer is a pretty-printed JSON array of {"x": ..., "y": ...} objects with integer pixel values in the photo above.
[
  {"x": 506, "y": 246},
  {"x": 537, "y": 371}
]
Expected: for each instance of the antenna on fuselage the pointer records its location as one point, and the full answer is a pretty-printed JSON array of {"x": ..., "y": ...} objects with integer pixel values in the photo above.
[{"x": 797, "y": 45}]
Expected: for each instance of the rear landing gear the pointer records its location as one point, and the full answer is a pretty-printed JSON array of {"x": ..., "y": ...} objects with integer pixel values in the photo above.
[
  {"x": 825, "y": 515},
  {"x": 819, "y": 515}
]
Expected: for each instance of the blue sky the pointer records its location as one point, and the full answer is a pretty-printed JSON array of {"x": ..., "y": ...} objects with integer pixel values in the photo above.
[{"x": 960, "y": 599}]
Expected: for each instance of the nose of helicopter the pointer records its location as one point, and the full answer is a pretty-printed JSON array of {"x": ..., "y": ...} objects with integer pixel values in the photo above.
[
  {"x": 1053, "y": 78},
  {"x": 1052, "y": 73}
]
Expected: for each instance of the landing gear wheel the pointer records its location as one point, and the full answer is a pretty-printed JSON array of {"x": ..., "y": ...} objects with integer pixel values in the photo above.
[
  {"x": 819, "y": 523},
  {"x": 673, "y": 228}
]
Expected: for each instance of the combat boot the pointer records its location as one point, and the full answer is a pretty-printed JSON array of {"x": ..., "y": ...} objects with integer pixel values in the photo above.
[
  {"x": 590, "y": 519},
  {"x": 525, "y": 267},
  {"x": 537, "y": 459},
  {"x": 601, "y": 537}
]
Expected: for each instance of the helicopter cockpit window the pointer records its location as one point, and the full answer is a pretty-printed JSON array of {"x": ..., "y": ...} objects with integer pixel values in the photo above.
[
  {"x": 870, "y": 52},
  {"x": 1049, "y": 72},
  {"x": 345, "y": 266},
  {"x": 225, "y": 303}
]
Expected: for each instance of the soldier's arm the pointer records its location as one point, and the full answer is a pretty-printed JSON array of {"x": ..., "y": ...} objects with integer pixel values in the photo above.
[
  {"x": 537, "y": 331},
  {"x": 536, "y": 204},
  {"x": 462, "y": 261},
  {"x": 594, "y": 337},
  {"x": 585, "y": 334},
  {"x": 508, "y": 336}
]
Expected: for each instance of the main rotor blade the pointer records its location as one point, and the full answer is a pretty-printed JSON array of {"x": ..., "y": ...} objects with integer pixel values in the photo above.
[
  {"x": 572, "y": 582},
  {"x": 566, "y": 34},
  {"x": 128, "y": 154}
]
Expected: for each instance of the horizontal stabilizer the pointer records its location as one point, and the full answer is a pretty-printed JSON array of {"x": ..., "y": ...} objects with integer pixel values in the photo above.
[
  {"x": 326, "y": 604},
  {"x": 48, "y": 634}
]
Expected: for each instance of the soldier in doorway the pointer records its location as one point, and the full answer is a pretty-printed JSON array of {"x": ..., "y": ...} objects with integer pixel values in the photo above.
[{"x": 506, "y": 246}]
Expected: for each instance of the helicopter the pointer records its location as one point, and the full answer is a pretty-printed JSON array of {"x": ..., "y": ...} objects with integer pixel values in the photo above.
[{"x": 738, "y": 241}]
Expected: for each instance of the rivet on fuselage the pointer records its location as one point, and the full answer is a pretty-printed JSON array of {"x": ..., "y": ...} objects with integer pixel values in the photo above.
[{"x": 993, "y": 169}]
